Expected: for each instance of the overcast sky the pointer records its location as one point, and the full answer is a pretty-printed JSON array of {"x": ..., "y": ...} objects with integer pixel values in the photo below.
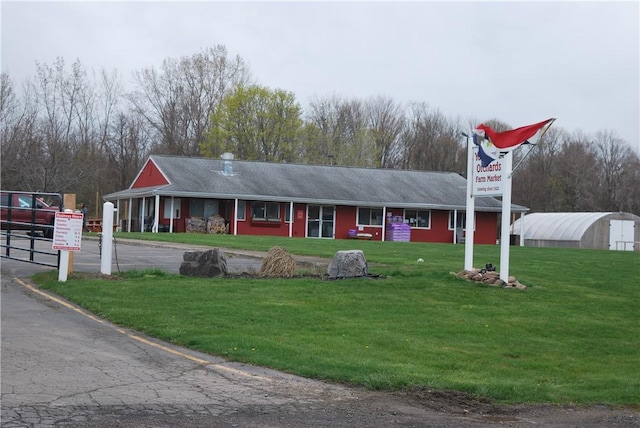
[{"x": 518, "y": 62}]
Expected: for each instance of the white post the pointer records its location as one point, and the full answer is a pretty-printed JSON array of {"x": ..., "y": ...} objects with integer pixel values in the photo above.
[
  {"x": 384, "y": 222},
  {"x": 506, "y": 218},
  {"x": 156, "y": 216},
  {"x": 522, "y": 229},
  {"x": 171, "y": 218},
  {"x": 455, "y": 222},
  {"x": 107, "y": 238},
  {"x": 235, "y": 217},
  {"x": 290, "y": 219},
  {"x": 471, "y": 207},
  {"x": 142, "y": 214},
  {"x": 64, "y": 266},
  {"x": 129, "y": 209}
]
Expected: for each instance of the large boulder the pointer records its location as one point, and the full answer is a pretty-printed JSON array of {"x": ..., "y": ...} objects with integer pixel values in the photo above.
[
  {"x": 348, "y": 264},
  {"x": 205, "y": 264}
]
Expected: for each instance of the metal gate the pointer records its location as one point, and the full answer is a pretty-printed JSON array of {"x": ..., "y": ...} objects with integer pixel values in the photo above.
[{"x": 26, "y": 223}]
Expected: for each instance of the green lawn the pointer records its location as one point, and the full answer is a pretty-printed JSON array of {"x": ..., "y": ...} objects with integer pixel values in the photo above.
[{"x": 571, "y": 337}]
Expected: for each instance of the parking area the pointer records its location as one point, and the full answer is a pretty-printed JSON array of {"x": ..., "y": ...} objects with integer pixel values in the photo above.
[{"x": 127, "y": 255}]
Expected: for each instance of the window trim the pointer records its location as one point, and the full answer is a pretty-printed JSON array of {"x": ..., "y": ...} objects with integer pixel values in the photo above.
[
  {"x": 460, "y": 215},
  {"x": 267, "y": 211},
  {"x": 417, "y": 211},
  {"x": 370, "y": 223}
]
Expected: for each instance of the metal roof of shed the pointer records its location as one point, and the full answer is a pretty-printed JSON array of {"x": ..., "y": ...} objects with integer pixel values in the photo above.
[
  {"x": 318, "y": 184},
  {"x": 556, "y": 226}
]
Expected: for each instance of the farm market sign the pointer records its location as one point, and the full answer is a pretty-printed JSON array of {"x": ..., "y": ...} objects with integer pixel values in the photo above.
[{"x": 487, "y": 180}]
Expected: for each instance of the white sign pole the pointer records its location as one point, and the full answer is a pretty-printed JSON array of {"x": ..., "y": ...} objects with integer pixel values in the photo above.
[
  {"x": 506, "y": 218},
  {"x": 107, "y": 238},
  {"x": 470, "y": 220},
  {"x": 64, "y": 266}
]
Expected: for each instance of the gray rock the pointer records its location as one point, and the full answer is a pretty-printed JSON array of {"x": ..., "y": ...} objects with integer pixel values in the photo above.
[
  {"x": 348, "y": 264},
  {"x": 204, "y": 264}
]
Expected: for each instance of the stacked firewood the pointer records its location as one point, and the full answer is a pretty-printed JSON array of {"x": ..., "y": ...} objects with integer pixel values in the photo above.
[{"x": 216, "y": 224}]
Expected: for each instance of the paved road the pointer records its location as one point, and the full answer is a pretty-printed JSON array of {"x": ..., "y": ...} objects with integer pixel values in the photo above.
[
  {"x": 64, "y": 367},
  {"x": 127, "y": 255}
]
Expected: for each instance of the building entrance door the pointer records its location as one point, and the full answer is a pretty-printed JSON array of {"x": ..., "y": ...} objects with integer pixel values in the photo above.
[
  {"x": 320, "y": 221},
  {"x": 621, "y": 235}
]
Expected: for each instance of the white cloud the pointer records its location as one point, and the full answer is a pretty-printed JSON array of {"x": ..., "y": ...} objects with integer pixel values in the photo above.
[{"x": 519, "y": 62}]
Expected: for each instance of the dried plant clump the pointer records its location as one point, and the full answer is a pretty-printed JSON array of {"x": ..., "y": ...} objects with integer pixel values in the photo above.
[{"x": 278, "y": 263}]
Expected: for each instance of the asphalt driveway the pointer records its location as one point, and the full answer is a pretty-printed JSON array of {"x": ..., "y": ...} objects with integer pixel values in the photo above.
[{"x": 62, "y": 366}]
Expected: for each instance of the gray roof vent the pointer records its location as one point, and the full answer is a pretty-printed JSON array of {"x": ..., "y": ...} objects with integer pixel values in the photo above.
[{"x": 227, "y": 163}]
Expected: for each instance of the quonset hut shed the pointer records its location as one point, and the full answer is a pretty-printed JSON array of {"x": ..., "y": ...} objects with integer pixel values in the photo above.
[{"x": 597, "y": 230}]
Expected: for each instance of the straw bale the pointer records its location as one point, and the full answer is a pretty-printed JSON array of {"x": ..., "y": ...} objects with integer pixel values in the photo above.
[{"x": 278, "y": 263}]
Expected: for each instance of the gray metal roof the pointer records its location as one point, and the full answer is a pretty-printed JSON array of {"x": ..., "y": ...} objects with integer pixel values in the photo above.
[{"x": 319, "y": 184}]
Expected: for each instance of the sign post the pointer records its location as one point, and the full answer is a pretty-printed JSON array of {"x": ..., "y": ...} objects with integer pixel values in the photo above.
[
  {"x": 67, "y": 236},
  {"x": 506, "y": 219},
  {"x": 107, "y": 238},
  {"x": 482, "y": 181},
  {"x": 470, "y": 213},
  {"x": 492, "y": 175}
]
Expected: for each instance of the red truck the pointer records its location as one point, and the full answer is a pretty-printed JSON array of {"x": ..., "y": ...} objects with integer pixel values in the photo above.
[{"x": 27, "y": 211}]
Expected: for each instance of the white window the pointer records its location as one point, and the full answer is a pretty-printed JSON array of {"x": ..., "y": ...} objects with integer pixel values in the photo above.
[
  {"x": 265, "y": 211},
  {"x": 418, "y": 218},
  {"x": 369, "y": 216},
  {"x": 461, "y": 222},
  {"x": 203, "y": 207},
  {"x": 176, "y": 208}
]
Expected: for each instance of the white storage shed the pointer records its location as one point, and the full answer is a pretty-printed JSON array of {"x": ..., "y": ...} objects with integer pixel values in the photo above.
[{"x": 597, "y": 230}]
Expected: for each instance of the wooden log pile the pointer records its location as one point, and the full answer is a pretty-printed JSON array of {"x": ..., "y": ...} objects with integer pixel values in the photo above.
[
  {"x": 491, "y": 278},
  {"x": 216, "y": 224}
]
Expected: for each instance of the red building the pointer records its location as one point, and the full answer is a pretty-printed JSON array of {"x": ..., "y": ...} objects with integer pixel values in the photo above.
[{"x": 306, "y": 201}]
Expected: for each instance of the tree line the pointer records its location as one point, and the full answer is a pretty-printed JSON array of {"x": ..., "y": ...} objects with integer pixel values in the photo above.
[{"x": 69, "y": 130}]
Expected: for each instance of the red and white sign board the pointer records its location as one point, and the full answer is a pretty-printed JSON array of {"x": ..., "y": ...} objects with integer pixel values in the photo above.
[{"x": 67, "y": 231}]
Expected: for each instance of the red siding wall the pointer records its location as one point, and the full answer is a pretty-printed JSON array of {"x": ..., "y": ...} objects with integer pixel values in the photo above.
[
  {"x": 486, "y": 228},
  {"x": 345, "y": 220},
  {"x": 149, "y": 176},
  {"x": 264, "y": 228}
]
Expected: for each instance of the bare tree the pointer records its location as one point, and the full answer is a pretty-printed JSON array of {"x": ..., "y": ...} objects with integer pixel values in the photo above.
[
  {"x": 576, "y": 181},
  {"x": 535, "y": 183},
  {"x": 343, "y": 134},
  {"x": 178, "y": 100},
  {"x": 431, "y": 142},
  {"x": 613, "y": 156},
  {"x": 630, "y": 200},
  {"x": 17, "y": 131},
  {"x": 126, "y": 147},
  {"x": 385, "y": 120},
  {"x": 324, "y": 124}
]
